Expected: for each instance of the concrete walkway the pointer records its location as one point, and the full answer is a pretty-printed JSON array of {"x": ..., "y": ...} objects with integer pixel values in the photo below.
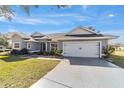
[{"x": 69, "y": 74}]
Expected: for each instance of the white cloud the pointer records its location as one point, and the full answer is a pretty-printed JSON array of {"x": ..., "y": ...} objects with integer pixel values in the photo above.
[
  {"x": 111, "y": 15},
  {"x": 35, "y": 21},
  {"x": 84, "y": 7},
  {"x": 52, "y": 19},
  {"x": 119, "y": 33},
  {"x": 56, "y": 15},
  {"x": 12, "y": 30},
  {"x": 2, "y": 19},
  {"x": 23, "y": 20},
  {"x": 60, "y": 15},
  {"x": 41, "y": 20}
]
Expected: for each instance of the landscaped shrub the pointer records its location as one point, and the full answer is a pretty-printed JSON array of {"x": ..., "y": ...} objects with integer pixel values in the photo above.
[
  {"x": 15, "y": 52},
  {"x": 40, "y": 52},
  {"x": 56, "y": 52},
  {"x": 24, "y": 51},
  {"x": 52, "y": 52},
  {"x": 46, "y": 53},
  {"x": 108, "y": 51}
]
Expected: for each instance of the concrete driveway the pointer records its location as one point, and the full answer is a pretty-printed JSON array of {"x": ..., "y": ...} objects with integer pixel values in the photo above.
[{"x": 82, "y": 73}]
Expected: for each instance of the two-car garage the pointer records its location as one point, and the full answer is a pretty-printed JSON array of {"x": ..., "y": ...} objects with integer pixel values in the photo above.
[{"x": 82, "y": 49}]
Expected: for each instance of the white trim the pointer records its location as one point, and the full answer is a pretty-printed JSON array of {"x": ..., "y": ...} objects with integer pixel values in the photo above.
[
  {"x": 28, "y": 44},
  {"x": 46, "y": 46},
  {"x": 50, "y": 46},
  {"x": 100, "y": 50},
  {"x": 2, "y": 48},
  {"x": 14, "y": 45},
  {"x": 58, "y": 46},
  {"x": 63, "y": 48}
]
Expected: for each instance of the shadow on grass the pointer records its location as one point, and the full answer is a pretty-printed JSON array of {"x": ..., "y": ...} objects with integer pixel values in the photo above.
[{"x": 12, "y": 58}]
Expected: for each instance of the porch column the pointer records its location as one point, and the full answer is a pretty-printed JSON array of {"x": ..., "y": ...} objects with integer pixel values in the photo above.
[{"x": 46, "y": 46}]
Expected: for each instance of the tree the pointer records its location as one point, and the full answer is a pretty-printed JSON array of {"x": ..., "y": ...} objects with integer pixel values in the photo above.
[
  {"x": 7, "y": 12},
  {"x": 3, "y": 40}
]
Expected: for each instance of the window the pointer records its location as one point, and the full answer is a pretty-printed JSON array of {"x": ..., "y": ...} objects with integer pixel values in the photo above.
[
  {"x": 1, "y": 47},
  {"x": 28, "y": 45},
  {"x": 16, "y": 45},
  {"x": 53, "y": 46}
]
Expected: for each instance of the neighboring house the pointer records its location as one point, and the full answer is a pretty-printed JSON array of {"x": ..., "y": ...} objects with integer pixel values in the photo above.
[
  {"x": 18, "y": 41},
  {"x": 2, "y": 48},
  {"x": 80, "y": 42},
  {"x": 119, "y": 47}
]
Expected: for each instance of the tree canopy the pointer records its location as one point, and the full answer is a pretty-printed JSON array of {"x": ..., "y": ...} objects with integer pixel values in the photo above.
[{"x": 7, "y": 12}]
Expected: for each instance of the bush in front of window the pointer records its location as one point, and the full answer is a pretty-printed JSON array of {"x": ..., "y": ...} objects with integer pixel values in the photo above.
[
  {"x": 15, "y": 52},
  {"x": 40, "y": 52},
  {"x": 24, "y": 51},
  {"x": 46, "y": 53},
  {"x": 21, "y": 52}
]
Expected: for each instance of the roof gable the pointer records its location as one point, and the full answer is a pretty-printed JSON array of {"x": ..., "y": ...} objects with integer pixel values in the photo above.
[
  {"x": 81, "y": 31},
  {"x": 22, "y": 35},
  {"x": 37, "y": 34}
]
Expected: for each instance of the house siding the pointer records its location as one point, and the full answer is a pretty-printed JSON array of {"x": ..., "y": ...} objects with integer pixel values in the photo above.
[
  {"x": 60, "y": 45},
  {"x": 48, "y": 47},
  {"x": 34, "y": 46},
  {"x": 2, "y": 48},
  {"x": 23, "y": 45},
  {"x": 17, "y": 38},
  {"x": 104, "y": 43}
]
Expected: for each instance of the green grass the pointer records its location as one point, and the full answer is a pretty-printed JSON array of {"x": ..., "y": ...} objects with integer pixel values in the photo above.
[
  {"x": 4, "y": 53},
  {"x": 118, "y": 58},
  {"x": 20, "y": 72}
]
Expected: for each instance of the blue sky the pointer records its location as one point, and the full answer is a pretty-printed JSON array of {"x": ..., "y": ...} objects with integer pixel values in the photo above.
[{"x": 49, "y": 19}]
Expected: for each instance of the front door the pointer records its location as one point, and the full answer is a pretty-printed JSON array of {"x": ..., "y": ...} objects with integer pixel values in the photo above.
[{"x": 43, "y": 46}]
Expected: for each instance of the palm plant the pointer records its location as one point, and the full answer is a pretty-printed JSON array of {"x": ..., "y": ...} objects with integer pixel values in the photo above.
[{"x": 108, "y": 51}]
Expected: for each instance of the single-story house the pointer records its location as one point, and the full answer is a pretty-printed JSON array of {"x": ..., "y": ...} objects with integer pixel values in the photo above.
[{"x": 79, "y": 42}]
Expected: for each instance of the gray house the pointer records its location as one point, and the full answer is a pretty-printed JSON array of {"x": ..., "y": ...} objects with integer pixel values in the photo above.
[{"x": 79, "y": 42}]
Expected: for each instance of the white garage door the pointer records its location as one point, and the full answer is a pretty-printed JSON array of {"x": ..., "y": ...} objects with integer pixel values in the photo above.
[{"x": 81, "y": 49}]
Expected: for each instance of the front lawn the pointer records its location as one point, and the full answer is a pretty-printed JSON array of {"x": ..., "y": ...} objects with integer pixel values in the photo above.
[
  {"x": 4, "y": 53},
  {"x": 22, "y": 72},
  {"x": 118, "y": 58}
]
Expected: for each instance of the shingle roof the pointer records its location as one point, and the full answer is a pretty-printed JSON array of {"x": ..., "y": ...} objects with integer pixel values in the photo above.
[
  {"x": 53, "y": 35},
  {"x": 10, "y": 34},
  {"x": 64, "y": 36},
  {"x": 80, "y": 31},
  {"x": 37, "y": 34},
  {"x": 31, "y": 40},
  {"x": 84, "y": 38}
]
